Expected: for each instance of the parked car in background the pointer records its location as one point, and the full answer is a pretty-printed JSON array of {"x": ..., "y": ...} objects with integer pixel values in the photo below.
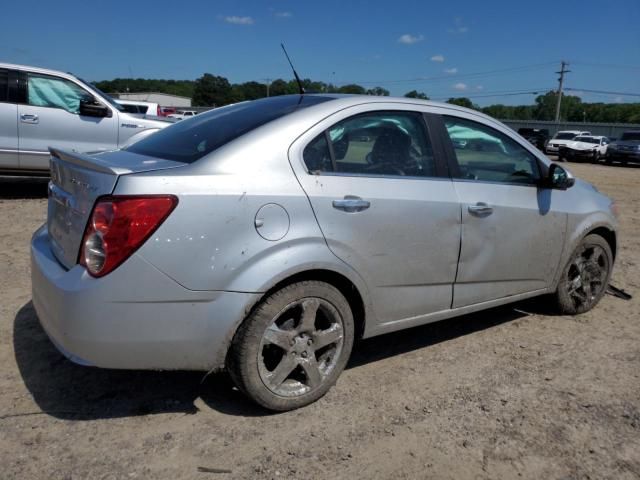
[
  {"x": 626, "y": 148},
  {"x": 181, "y": 114},
  {"x": 584, "y": 147},
  {"x": 41, "y": 108},
  {"x": 135, "y": 106},
  {"x": 166, "y": 111},
  {"x": 266, "y": 236},
  {"x": 535, "y": 136},
  {"x": 561, "y": 138}
]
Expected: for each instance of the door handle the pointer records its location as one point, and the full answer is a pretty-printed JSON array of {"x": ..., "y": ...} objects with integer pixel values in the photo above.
[
  {"x": 351, "y": 204},
  {"x": 480, "y": 209},
  {"x": 28, "y": 118}
]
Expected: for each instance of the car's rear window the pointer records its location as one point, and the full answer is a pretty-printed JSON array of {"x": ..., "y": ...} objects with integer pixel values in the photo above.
[
  {"x": 630, "y": 136},
  {"x": 193, "y": 138}
]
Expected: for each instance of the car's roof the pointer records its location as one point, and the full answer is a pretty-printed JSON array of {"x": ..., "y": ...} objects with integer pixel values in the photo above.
[
  {"x": 347, "y": 100},
  {"x": 592, "y": 136},
  {"x": 133, "y": 102},
  {"x": 36, "y": 69}
]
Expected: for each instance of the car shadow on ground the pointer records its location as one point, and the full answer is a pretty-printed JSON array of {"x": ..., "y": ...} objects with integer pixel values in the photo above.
[
  {"x": 23, "y": 187},
  {"x": 68, "y": 391}
]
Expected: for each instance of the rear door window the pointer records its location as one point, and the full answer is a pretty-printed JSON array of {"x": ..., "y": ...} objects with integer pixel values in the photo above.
[{"x": 378, "y": 143}]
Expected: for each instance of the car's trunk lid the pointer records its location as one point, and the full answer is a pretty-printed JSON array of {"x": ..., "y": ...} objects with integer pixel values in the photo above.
[{"x": 77, "y": 180}]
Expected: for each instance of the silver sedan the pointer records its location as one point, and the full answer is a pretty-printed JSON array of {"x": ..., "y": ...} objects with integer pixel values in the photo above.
[{"x": 265, "y": 237}]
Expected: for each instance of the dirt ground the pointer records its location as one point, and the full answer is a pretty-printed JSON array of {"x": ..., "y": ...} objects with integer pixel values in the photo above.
[{"x": 503, "y": 394}]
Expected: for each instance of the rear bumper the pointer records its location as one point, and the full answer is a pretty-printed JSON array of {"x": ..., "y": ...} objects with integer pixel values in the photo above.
[{"x": 134, "y": 318}]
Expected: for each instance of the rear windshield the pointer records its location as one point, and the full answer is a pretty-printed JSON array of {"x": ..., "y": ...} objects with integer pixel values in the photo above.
[
  {"x": 587, "y": 139},
  {"x": 564, "y": 136},
  {"x": 630, "y": 136},
  {"x": 195, "y": 137}
]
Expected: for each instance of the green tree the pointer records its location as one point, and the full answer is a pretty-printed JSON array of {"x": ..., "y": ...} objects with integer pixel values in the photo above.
[
  {"x": 416, "y": 94},
  {"x": 280, "y": 87},
  {"x": 570, "y": 108},
  {"x": 211, "y": 90},
  {"x": 352, "y": 88},
  {"x": 378, "y": 91},
  {"x": 462, "y": 102},
  {"x": 253, "y": 90}
]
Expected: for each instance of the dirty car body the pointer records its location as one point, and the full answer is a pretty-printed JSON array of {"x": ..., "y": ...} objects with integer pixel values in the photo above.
[{"x": 414, "y": 211}]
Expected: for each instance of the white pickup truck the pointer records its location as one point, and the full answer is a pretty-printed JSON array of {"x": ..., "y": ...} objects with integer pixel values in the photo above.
[{"x": 41, "y": 108}]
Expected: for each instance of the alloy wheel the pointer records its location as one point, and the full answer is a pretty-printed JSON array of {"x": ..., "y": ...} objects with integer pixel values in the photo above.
[
  {"x": 301, "y": 347},
  {"x": 586, "y": 276}
]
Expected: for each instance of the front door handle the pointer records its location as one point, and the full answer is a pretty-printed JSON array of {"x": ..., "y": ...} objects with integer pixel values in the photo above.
[
  {"x": 28, "y": 118},
  {"x": 480, "y": 209},
  {"x": 351, "y": 204}
]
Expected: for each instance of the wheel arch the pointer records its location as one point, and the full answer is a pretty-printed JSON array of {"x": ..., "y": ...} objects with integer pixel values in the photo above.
[
  {"x": 337, "y": 280},
  {"x": 609, "y": 235}
]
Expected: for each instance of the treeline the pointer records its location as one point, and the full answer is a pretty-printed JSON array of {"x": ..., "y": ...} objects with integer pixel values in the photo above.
[{"x": 213, "y": 90}]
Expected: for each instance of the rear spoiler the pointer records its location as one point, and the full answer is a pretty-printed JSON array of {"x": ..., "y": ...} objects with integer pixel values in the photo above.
[{"x": 87, "y": 161}]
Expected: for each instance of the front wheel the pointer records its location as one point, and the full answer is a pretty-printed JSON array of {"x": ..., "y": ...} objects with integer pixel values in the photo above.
[
  {"x": 293, "y": 346},
  {"x": 586, "y": 276}
]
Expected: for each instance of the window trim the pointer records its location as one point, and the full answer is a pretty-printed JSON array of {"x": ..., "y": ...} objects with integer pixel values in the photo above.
[
  {"x": 440, "y": 161},
  {"x": 452, "y": 158}
]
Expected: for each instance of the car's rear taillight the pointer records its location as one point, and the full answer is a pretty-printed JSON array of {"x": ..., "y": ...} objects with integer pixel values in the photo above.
[
  {"x": 159, "y": 111},
  {"x": 118, "y": 226}
]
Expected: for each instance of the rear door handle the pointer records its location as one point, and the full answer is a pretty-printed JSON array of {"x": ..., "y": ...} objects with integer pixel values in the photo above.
[
  {"x": 351, "y": 204},
  {"x": 28, "y": 118},
  {"x": 480, "y": 209}
]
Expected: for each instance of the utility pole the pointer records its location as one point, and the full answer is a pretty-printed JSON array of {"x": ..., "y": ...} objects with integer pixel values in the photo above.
[
  {"x": 268, "y": 82},
  {"x": 562, "y": 71}
]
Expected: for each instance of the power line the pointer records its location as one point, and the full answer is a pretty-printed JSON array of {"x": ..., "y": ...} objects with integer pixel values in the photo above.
[
  {"x": 605, "y": 92},
  {"x": 502, "y": 93},
  {"x": 606, "y": 65},
  {"x": 451, "y": 77}
]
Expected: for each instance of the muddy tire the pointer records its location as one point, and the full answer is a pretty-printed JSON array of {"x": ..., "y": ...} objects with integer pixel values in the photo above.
[
  {"x": 291, "y": 349},
  {"x": 585, "y": 278}
]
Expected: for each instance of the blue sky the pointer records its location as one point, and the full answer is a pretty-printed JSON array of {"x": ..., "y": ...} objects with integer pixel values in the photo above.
[{"x": 435, "y": 47}]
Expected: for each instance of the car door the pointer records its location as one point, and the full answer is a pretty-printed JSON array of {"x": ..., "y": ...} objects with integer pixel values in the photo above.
[
  {"x": 382, "y": 199},
  {"x": 8, "y": 123},
  {"x": 51, "y": 118},
  {"x": 512, "y": 238}
]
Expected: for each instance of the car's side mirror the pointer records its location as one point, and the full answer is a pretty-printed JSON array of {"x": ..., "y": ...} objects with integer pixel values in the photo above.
[
  {"x": 90, "y": 107},
  {"x": 559, "y": 178}
]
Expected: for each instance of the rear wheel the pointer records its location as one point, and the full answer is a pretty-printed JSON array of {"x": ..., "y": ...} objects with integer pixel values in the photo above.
[
  {"x": 292, "y": 348},
  {"x": 586, "y": 276}
]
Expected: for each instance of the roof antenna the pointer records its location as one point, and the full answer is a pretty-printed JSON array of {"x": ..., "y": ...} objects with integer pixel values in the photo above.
[{"x": 295, "y": 74}]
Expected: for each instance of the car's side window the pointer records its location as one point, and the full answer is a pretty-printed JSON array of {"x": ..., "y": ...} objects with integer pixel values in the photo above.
[
  {"x": 47, "y": 91},
  {"x": 316, "y": 155},
  {"x": 484, "y": 154},
  {"x": 4, "y": 84},
  {"x": 376, "y": 143}
]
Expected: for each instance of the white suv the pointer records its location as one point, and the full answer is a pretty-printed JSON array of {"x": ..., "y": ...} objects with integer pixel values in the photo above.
[
  {"x": 562, "y": 138},
  {"x": 182, "y": 114}
]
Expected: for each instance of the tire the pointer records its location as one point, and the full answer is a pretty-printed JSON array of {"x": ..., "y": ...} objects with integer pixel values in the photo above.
[
  {"x": 585, "y": 278},
  {"x": 293, "y": 346}
]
